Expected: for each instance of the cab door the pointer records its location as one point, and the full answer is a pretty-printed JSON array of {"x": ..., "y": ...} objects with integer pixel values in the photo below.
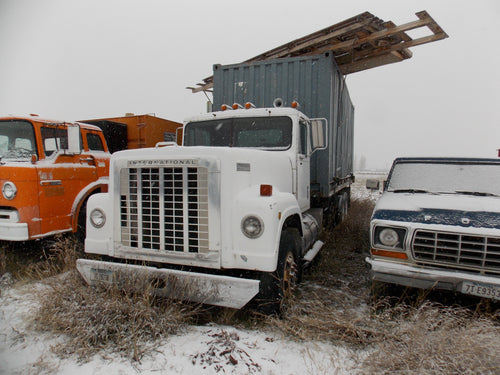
[{"x": 64, "y": 172}]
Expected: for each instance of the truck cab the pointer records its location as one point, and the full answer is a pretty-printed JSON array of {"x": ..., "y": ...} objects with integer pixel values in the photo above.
[
  {"x": 48, "y": 169},
  {"x": 232, "y": 204}
]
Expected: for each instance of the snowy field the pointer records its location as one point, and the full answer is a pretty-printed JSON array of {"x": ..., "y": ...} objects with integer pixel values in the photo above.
[{"x": 210, "y": 349}]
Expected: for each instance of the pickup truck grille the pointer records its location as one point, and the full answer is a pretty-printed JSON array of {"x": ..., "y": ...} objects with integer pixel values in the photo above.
[
  {"x": 456, "y": 250},
  {"x": 164, "y": 209}
]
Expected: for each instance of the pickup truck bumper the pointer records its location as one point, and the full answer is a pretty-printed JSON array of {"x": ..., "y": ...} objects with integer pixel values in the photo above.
[
  {"x": 425, "y": 278},
  {"x": 14, "y": 231},
  {"x": 226, "y": 291}
]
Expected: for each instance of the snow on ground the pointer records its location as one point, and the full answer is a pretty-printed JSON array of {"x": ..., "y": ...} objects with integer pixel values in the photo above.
[
  {"x": 359, "y": 190},
  {"x": 210, "y": 349}
]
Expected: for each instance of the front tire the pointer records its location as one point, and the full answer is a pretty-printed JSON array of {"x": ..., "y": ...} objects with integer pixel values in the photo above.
[{"x": 277, "y": 288}]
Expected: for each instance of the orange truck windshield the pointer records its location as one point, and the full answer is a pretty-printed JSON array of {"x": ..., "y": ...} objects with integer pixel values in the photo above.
[{"x": 17, "y": 141}]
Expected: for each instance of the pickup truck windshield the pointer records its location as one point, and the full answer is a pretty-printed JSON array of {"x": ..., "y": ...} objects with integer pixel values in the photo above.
[
  {"x": 453, "y": 178},
  {"x": 270, "y": 133},
  {"x": 17, "y": 141}
]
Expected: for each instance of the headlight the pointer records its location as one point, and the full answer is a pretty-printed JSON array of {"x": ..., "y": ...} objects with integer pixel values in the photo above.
[
  {"x": 9, "y": 190},
  {"x": 390, "y": 237},
  {"x": 252, "y": 226},
  {"x": 97, "y": 218}
]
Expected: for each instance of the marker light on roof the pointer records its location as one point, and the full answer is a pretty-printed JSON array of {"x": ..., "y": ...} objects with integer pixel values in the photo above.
[
  {"x": 295, "y": 104},
  {"x": 225, "y": 107},
  {"x": 237, "y": 106},
  {"x": 249, "y": 105}
]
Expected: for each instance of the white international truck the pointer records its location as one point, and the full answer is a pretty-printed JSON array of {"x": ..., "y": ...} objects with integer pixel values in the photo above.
[{"x": 234, "y": 214}]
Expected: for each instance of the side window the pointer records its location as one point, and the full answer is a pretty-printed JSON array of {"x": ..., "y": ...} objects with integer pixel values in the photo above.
[
  {"x": 169, "y": 137},
  {"x": 303, "y": 138},
  {"x": 94, "y": 142},
  {"x": 54, "y": 139}
]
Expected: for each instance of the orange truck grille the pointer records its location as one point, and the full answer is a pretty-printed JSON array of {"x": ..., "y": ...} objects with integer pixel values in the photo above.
[{"x": 164, "y": 209}]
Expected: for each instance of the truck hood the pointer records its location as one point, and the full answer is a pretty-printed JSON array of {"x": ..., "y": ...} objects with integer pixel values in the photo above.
[
  {"x": 243, "y": 167},
  {"x": 444, "y": 209}
]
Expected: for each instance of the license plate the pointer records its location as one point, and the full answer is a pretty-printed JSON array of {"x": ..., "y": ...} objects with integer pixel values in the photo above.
[
  {"x": 481, "y": 290},
  {"x": 100, "y": 275}
]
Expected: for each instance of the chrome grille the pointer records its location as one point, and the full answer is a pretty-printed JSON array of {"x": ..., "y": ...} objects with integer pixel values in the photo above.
[
  {"x": 165, "y": 208},
  {"x": 455, "y": 250}
]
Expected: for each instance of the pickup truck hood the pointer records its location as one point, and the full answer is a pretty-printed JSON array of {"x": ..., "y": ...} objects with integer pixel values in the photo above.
[{"x": 445, "y": 209}]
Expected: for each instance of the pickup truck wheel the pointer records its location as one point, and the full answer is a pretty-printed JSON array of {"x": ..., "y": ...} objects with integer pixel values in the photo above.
[{"x": 277, "y": 288}]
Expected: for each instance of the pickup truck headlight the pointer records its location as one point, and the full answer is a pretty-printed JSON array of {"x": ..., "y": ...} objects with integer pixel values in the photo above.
[
  {"x": 9, "y": 190},
  {"x": 389, "y": 237},
  {"x": 97, "y": 218},
  {"x": 252, "y": 226}
]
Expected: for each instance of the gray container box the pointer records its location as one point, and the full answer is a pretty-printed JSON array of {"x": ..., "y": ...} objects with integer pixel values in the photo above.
[{"x": 316, "y": 83}]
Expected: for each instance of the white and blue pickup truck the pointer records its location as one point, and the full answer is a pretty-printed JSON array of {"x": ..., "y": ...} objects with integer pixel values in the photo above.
[{"x": 437, "y": 225}]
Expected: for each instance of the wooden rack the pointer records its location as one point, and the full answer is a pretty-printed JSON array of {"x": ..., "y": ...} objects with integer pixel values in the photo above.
[{"x": 358, "y": 43}]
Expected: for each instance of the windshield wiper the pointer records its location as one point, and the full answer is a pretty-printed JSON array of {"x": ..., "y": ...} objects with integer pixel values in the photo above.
[
  {"x": 413, "y": 191},
  {"x": 476, "y": 193}
]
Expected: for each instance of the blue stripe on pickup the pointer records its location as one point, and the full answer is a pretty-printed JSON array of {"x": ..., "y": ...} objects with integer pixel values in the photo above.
[{"x": 476, "y": 219}]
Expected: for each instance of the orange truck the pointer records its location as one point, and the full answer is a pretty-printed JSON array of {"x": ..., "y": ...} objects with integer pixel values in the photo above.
[
  {"x": 48, "y": 169},
  {"x": 137, "y": 131}
]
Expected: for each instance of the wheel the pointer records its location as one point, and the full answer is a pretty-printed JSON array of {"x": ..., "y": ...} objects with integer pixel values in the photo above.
[
  {"x": 277, "y": 288},
  {"x": 82, "y": 222}
]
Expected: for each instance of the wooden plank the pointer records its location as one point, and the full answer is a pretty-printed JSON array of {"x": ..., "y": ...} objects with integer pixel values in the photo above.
[{"x": 371, "y": 42}]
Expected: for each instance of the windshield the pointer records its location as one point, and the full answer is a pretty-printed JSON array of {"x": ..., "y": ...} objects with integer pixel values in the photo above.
[
  {"x": 272, "y": 133},
  {"x": 421, "y": 177},
  {"x": 17, "y": 141}
]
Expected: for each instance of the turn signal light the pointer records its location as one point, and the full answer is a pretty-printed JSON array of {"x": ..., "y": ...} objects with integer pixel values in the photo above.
[
  {"x": 389, "y": 254},
  {"x": 266, "y": 190}
]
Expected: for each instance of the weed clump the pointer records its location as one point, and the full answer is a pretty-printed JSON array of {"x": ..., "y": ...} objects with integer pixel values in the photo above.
[{"x": 106, "y": 317}]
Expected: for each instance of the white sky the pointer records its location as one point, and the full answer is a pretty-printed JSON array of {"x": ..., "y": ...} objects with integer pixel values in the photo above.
[{"x": 72, "y": 60}]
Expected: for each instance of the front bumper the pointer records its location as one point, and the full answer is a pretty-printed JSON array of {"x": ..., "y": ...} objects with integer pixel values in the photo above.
[
  {"x": 14, "y": 231},
  {"x": 425, "y": 278},
  {"x": 226, "y": 291}
]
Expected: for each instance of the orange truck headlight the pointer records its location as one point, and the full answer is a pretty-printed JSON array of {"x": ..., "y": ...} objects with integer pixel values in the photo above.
[{"x": 9, "y": 190}]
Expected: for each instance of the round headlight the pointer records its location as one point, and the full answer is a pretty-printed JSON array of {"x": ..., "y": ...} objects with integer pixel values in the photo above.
[
  {"x": 97, "y": 218},
  {"x": 9, "y": 190},
  {"x": 388, "y": 237},
  {"x": 252, "y": 226}
]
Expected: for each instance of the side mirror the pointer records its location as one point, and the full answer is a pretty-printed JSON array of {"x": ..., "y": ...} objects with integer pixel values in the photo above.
[
  {"x": 319, "y": 134},
  {"x": 74, "y": 139}
]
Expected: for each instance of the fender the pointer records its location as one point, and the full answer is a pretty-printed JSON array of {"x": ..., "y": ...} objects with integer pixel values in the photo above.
[
  {"x": 99, "y": 185},
  {"x": 259, "y": 253}
]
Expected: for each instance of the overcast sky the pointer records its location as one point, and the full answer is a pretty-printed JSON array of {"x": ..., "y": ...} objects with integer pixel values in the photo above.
[{"x": 72, "y": 60}]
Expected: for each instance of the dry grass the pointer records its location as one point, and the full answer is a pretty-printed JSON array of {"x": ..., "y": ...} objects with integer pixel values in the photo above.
[
  {"x": 336, "y": 305},
  {"x": 435, "y": 339},
  {"x": 37, "y": 260},
  {"x": 111, "y": 318}
]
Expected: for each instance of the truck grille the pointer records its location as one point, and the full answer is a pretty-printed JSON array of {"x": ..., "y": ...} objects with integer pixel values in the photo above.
[
  {"x": 164, "y": 208},
  {"x": 461, "y": 251}
]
